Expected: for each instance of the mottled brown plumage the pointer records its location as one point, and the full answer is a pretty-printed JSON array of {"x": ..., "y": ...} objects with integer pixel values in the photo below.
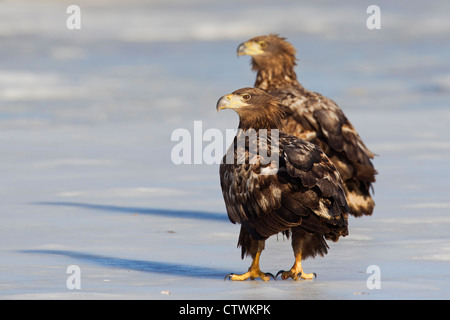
[
  {"x": 301, "y": 197},
  {"x": 311, "y": 116}
]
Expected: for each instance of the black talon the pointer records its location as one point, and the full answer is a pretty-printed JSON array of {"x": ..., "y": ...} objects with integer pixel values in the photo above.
[
  {"x": 281, "y": 271},
  {"x": 315, "y": 275},
  {"x": 228, "y": 276},
  {"x": 271, "y": 275}
]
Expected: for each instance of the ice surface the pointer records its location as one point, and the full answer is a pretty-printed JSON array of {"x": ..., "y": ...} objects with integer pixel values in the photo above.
[{"x": 86, "y": 118}]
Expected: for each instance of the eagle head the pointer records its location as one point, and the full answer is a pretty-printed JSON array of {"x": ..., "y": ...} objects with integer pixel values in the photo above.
[
  {"x": 270, "y": 46},
  {"x": 256, "y": 108}
]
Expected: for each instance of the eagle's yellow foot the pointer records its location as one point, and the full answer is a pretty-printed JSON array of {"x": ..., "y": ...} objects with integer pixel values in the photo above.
[
  {"x": 296, "y": 271},
  {"x": 252, "y": 274},
  {"x": 296, "y": 275}
]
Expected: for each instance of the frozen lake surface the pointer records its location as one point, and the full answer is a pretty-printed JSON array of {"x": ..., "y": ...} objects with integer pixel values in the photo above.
[{"x": 86, "y": 118}]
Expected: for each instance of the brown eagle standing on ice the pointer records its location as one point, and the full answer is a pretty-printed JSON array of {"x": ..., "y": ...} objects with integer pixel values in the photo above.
[
  {"x": 313, "y": 117},
  {"x": 303, "y": 199}
]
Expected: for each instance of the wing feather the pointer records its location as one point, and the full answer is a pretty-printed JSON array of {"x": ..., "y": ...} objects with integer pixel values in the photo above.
[
  {"x": 318, "y": 119},
  {"x": 306, "y": 184}
]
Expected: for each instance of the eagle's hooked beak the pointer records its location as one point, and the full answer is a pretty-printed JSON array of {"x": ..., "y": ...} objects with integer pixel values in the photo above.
[
  {"x": 250, "y": 48},
  {"x": 229, "y": 101},
  {"x": 241, "y": 50},
  {"x": 224, "y": 102}
]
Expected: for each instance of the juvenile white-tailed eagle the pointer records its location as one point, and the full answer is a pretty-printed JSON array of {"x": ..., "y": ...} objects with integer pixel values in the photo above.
[
  {"x": 301, "y": 195},
  {"x": 313, "y": 117}
]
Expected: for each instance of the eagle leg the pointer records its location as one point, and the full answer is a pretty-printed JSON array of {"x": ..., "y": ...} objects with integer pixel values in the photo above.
[
  {"x": 296, "y": 272},
  {"x": 252, "y": 273}
]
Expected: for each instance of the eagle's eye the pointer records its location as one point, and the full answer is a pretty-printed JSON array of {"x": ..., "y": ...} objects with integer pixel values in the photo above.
[
  {"x": 246, "y": 97},
  {"x": 263, "y": 44}
]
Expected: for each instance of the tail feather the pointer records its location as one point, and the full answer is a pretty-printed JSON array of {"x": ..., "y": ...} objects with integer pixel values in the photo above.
[{"x": 359, "y": 203}]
